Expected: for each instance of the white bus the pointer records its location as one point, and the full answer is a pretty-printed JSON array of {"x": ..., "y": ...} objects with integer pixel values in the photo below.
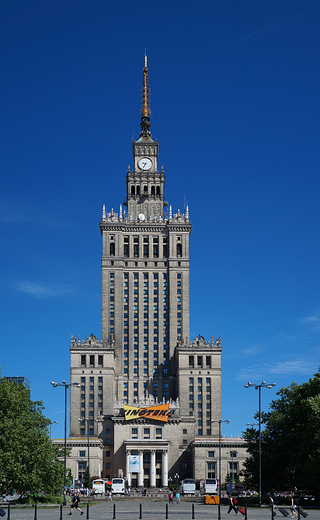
[
  {"x": 118, "y": 486},
  {"x": 98, "y": 486},
  {"x": 208, "y": 486},
  {"x": 187, "y": 486}
]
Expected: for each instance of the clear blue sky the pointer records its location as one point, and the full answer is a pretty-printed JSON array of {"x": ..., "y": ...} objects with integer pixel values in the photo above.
[{"x": 235, "y": 106}]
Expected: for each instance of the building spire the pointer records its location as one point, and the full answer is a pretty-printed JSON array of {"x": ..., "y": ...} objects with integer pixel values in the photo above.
[{"x": 145, "y": 101}]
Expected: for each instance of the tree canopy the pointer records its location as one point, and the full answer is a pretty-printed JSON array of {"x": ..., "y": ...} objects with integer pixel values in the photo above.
[
  {"x": 28, "y": 460},
  {"x": 290, "y": 441}
]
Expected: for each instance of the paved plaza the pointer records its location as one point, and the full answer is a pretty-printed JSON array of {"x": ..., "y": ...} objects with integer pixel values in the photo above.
[{"x": 151, "y": 509}]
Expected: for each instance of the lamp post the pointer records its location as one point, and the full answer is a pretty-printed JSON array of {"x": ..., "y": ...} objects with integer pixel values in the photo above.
[
  {"x": 177, "y": 476},
  {"x": 66, "y": 386},
  {"x": 88, "y": 437},
  {"x": 258, "y": 387},
  {"x": 50, "y": 424},
  {"x": 220, "y": 422},
  {"x": 232, "y": 455}
]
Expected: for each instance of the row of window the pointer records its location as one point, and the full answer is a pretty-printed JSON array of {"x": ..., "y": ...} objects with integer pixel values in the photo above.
[
  {"x": 135, "y": 190},
  {"x": 92, "y": 360},
  {"x": 149, "y": 245},
  {"x": 198, "y": 361}
]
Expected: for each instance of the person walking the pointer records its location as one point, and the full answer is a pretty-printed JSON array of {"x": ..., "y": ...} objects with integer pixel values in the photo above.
[
  {"x": 233, "y": 502},
  {"x": 75, "y": 504},
  {"x": 271, "y": 503},
  {"x": 293, "y": 507},
  {"x": 110, "y": 496},
  {"x": 178, "y": 497},
  {"x": 170, "y": 498}
]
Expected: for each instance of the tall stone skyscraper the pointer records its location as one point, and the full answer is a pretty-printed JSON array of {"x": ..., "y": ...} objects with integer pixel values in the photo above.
[{"x": 145, "y": 360}]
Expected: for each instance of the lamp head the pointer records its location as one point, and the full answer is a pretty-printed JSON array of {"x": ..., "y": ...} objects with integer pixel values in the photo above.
[
  {"x": 54, "y": 384},
  {"x": 227, "y": 421}
]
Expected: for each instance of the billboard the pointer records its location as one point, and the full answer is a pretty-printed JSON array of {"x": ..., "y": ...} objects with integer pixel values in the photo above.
[
  {"x": 158, "y": 412},
  {"x": 134, "y": 464}
]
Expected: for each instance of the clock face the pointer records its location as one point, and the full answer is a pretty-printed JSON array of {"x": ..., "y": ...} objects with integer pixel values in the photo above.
[
  {"x": 141, "y": 216},
  {"x": 145, "y": 163}
]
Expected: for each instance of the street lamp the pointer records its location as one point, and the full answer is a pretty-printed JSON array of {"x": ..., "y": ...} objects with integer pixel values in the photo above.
[
  {"x": 88, "y": 434},
  {"x": 50, "y": 424},
  {"x": 258, "y": 387},
  {"x": 232, "y": 455},
  {"x": 177, "y": 476},
  {"x": 66, "y": 386},
  {"x": 219, "y": 421}
]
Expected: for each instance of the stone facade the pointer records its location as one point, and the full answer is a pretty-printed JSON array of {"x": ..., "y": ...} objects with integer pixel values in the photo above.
[
  {"x": 145, "y": 357},
  {"x": 77, "y": 460},
  {"x": 205, "y": 457}
]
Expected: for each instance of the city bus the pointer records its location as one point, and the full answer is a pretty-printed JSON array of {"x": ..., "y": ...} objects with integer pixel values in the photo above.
[
  {"x": 98, "y": 486},
  {"x": 187, "y": 486},
  {"x": 118, "y": 486},
  {"x": 208, "y": 486}
]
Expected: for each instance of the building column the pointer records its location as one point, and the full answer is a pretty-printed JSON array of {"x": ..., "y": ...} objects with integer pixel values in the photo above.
[
  {"x": 128, "y": 474},
  {"x": 140, "y": 474},
  {"x": 153, "y": 469},
  {"x": 165, "y": 468}
]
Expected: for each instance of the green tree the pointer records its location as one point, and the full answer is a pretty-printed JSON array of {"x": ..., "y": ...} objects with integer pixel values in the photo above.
[
  {"x": 28, "y": 460},
  {"x": 290, "y": 441}
]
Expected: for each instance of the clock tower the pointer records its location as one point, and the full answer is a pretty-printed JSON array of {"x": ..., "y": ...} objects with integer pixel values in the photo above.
[{"x": 145, "y": 185}]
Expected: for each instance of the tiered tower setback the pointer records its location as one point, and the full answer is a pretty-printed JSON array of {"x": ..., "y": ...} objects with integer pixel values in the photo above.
[{"x": 145, "y": 356}]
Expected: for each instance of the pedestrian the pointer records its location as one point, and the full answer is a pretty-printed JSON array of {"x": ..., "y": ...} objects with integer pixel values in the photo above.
[
  {"x": 272, "y": 507},
  {"x": 75, "y": 504},
  {"x": 233, "y": 502},
  {"x": 110, "y": 496},
  {"x": 170, "y": 498},
  {"x": 293, "y": 507},
  {"x": 178, "y": 497}
]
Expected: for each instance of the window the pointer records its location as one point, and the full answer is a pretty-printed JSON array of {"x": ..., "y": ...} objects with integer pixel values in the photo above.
[
  {"x": 155, "y": 247},
  {"x": 100, "y": 361},
  {"x": 107, "y": 465},
  {"x": 184, "y": 441},
  {"x": 82, "y": 453},
  {"x": 184, "y": 432},
  {"x": 191, "y": 361},
  {"x": 211, "y": 469},
  {"x": 126, "y": 249},
  {"x": 210, "y": 453},
  {"x": 146, "y": 433},
  {"x": 158, "y": 433},
  {"x": 83, "y": 360},
  {"x": 135, "y": 246}
]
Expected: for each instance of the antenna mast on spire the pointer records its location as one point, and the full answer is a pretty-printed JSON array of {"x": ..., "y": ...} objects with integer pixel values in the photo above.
[{"x": 145, "y": 93}]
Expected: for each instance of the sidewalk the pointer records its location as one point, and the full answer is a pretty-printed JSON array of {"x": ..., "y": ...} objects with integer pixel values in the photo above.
[{"x": 152, "y": 509}]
